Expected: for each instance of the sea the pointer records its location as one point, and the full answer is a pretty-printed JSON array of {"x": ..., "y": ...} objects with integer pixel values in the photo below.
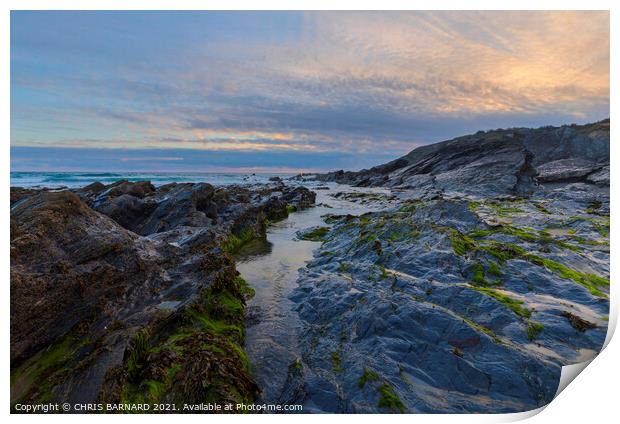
[{"x": 80, "y": 179}]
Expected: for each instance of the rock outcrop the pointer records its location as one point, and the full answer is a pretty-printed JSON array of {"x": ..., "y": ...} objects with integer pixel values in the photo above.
[
  {"x": 126, "y": 293},
  {"x": 486, "y": 272},
  {"x": 511, "y": 161}
]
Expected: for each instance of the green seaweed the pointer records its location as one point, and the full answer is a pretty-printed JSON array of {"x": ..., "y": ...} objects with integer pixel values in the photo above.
[
  {"x": 138, "y": 351},
  {"x": 364, "y": 221},
  {"x": 602, "y": 224},
  {"x": 502, "y": 210},
  {"x": 534, "y": 329},
  {"x": 155, "y": 389},
  {"x": 241, "y": 355},
  {"x": 389, "y": 399},
  {"x": 318, "y": 234},
  {"x": 496, "y": 207},
  {"x": 366, "y": 238},
  {"x": 474, "y": 205},
  {"x": 409, "y": 206},
  {"x": 510, "y": 303},
  {"x": 526, "y": 234},
  {"x": 494, "y": 269},
  {"x": 588, "y": 242},
  {"x": 243, "y": 287},
  {"x": 217, "y": 320},
  {"x": 383, "y": 273},
  {"x": 367, "y": 375},
  {"x": 483, "y": 329},
  {"x": 235, "y": 241},
  {"x": 541, "y": 208},
  {"x": 461, "y": 244},
  {"x": 603, "y": 229},
  {"x": 172, "y": 371},
  {"x": 335, "y": 355},
  {"x": 479, "y": 233},
  {"x": 503, "y": 252},
  {"x": 590, "y": 281},
  {"x": 478, "y": 276},
  {"x": 33, "y": 380}
]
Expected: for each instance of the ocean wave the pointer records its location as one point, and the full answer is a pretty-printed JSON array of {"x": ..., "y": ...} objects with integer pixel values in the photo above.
[{"x": 80, "y": 179}]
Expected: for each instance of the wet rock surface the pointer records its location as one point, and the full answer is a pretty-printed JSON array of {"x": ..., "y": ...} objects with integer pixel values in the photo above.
[
  {"x": 454, "y": 307},
  {"x": 486, "y": 272},
  {"x": 126, "y": 292}
]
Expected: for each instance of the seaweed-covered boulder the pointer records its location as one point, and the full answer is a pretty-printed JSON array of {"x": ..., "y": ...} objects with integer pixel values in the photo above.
[{"x": 106, "y": 279}]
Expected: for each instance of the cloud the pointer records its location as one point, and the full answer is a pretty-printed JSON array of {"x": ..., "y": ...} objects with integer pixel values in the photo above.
[
  {"x": 150, "y": 158},
  {"x": 322, "y": 82}
]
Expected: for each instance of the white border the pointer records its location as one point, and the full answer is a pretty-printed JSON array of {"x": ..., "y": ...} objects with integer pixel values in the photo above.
[{"x": 591, "y": 399}]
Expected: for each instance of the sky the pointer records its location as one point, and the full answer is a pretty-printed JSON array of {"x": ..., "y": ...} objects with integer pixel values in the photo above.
[{"x": 289, "y": 91}]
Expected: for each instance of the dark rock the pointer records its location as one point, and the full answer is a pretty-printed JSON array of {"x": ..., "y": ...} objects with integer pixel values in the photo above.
[
  {"x": 68, "y": 263},
  {"x": 91, "y": 190},
  {"x": 300, "y": 197},
  {"x": 494, "y": 162},
  {"x": 19, "y": 193},
  {"x": 138, "y": 189},
  {"x": 127, "y": 210},
  {"x": 566, "y": 170},
  {"x": 101, "y": 275},
  {"x": 600, "y": 177}
]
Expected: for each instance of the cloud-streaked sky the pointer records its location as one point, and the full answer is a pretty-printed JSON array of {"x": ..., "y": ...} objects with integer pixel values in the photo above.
[{"x": 290, "y": 90}]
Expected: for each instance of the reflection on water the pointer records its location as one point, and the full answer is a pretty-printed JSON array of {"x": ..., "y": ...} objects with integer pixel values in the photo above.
[{"x": 271, "y": 267}]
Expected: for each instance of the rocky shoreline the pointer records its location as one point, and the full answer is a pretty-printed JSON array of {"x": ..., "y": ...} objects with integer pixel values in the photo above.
[
  {"x": 492, "y": 163},
  {"x": 481, "y": 269},
  {"x": 127, "y": 293},
  {"x": 487, "y": 271}
]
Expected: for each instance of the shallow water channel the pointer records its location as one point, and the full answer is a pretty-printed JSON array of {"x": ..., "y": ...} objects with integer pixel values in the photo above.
[{"x": 271, "y": 267}]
